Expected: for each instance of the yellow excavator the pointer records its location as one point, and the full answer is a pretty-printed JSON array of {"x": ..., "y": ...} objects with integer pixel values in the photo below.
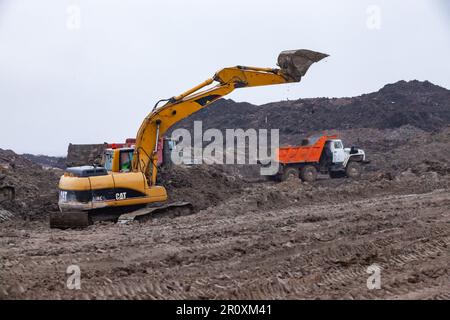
[{"x": 125, "y": 184}]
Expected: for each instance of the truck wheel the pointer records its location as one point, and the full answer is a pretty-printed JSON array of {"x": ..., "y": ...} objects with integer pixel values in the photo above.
[
  {"x": 289, "y": 173},
  {"x": 308, "y": 173},
  {"x": 353, "y": 170}
]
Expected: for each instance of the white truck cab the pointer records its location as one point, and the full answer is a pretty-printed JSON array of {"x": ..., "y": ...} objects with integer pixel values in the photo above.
[
  {"x": 341, "y": 155},
  {"x": 344, "y": 161},
  {"x": 337, "y": 150}
]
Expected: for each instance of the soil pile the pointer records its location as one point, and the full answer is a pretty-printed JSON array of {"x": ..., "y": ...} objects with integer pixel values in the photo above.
[
  {"x": 393, "y": 151},
  {"x": 26, "y": 188},
  {"x": 403, "y": 126},
  {"x": 47, "y": 161},
  {"x": 202, "y": 185},
  {"x": 419, "y": 104}
]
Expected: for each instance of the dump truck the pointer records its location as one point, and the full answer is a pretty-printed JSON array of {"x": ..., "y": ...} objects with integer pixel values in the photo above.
[
  {"x": 128, "y": 179},
  {"x": 324, "y": 154}
]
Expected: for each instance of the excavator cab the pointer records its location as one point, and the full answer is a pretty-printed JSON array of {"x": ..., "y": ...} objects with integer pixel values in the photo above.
[
  {"x": 126, "y": 157},
  {"x": 118, "y": 160},
  {"x": 108, "y": 159}
]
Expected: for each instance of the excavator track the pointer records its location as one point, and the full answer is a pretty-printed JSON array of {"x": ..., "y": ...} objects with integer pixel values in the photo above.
[
  {"x": 170, "y": 210},
  {"x": 83, "y": 219}
]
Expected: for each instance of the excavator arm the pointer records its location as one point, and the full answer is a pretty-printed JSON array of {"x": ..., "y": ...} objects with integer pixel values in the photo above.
[{"x": 293, "y": 65}]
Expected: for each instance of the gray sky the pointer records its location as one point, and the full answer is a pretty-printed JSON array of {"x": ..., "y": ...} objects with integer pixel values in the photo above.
[{"x": 94, "y": 79}]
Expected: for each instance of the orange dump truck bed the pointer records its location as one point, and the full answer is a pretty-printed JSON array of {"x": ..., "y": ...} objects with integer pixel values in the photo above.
[{"x": 306, "y": 153}]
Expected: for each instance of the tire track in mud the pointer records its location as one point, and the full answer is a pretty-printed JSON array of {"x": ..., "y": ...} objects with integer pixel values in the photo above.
[
  {"x": 319, "y": 278},
  {"x": 273, "y": 288},
  {"x": 419, "y": 252},
  {"x": 296, "y": 252},
  {"x": 282, "y": 288},
  {"x": 401, "y": 258}
]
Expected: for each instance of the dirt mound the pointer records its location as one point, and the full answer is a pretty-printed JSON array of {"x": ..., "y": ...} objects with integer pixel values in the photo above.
[
  {"x": 419, "y": 104},
  {"x": 47, "y": 161},
  {"x": 276, "y": 196},
  {"x": 396, "y": 150},
  {"x": 202, "y": 185},
  {"x": 26, "y": 188},
  {"x": 419, "y": 154}
]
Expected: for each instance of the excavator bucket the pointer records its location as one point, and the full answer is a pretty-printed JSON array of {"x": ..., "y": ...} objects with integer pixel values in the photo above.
[{"x": 295, "y": 63}]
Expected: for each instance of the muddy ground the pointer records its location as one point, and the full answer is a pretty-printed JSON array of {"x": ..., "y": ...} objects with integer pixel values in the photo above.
[
  {"x": 255, "y": 239},
  {"x": 287, "y": 240},
  {"x": 251, "y": 238}
]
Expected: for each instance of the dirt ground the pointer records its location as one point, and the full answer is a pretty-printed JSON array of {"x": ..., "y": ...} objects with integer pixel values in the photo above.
[{"x": 252, "y": 246}]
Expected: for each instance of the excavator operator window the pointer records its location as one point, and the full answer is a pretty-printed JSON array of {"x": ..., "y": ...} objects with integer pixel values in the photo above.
[
  {"x": 107, "y": 159},
  {"x": 125, "y": 160}
]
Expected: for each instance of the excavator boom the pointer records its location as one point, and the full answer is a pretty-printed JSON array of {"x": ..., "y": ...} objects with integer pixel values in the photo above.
[{"x": 293, "y": 66}]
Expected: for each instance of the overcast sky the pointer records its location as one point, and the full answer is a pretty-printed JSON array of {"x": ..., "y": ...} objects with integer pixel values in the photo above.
[{"x": 88, "y": 71}]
